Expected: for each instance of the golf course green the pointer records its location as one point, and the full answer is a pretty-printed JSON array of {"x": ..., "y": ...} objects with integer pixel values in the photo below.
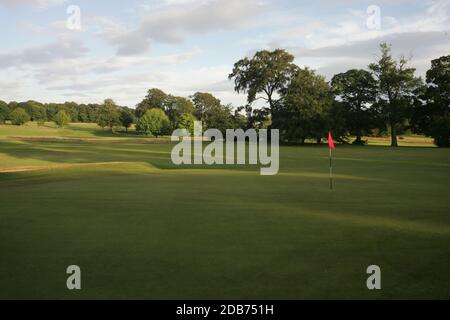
[{"x": 141, "y": 228}]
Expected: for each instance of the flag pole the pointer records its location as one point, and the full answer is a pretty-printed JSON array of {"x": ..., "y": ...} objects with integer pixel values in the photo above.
[
  {"x": 331, "y": 169},
  {"x": 331, "y": 147}
]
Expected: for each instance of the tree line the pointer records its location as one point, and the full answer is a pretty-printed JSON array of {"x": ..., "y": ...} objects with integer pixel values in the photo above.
[{"x": 387, "y": 97}]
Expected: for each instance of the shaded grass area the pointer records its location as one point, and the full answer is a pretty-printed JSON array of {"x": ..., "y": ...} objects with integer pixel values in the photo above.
[{"x": 140, "y": 227}]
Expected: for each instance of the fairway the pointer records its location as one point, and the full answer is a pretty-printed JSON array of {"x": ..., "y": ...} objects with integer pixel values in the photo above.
[{"x": 140, "y": 227}]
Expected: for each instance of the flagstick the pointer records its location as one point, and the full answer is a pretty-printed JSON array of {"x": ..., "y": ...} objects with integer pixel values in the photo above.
[{"x": 331, "y": 169}]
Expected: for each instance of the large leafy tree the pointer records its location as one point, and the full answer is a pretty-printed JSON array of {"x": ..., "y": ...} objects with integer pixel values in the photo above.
[
  {"x": 396, "y": 89},
  {"x": 306, "y": 108},
  {"x": 432, "y": 111},
  {"x": 356, "y": 90},
  {"x": 155, "y": 98},
  {"x": 108, "y": 115},
  {"x": 154, "y": 121},
  {"x": 264, "y": 76}
]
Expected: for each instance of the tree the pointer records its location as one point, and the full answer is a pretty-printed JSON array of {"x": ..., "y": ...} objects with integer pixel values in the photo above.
[
  {"x": 39, "y": 114},
  {"x": 4, "y": 112},
  {"x": 267, "y": 73},
  {"x": 255, "y": 118},
  {"x": 396, "y": 86},
  {"x": 305, "y": 109},
  {"x": 72, "y": 109},
  {"x": 126, "y": 118},
  {"x": 155, "y": 98},
  {"x": 19, "y": 116},
  {"x": 62, "y": 119},
  {"x": 187, "y": 122},
  {"x": 108, "y": 115},
  {"x": 357, "y": 90},
  {"x": 204, "y": 104},
  {"x": 176, "y": 107},
  {"x": 432, "y": 107},
  {"x": 154, "y": 122}
]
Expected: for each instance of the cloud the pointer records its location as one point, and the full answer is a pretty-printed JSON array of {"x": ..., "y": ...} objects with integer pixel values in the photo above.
[
  {"x": 33, "y": 3},
  {"x": 414, "y": 44},
  {"x": 172, "y": 22},
  {"x": 63, "y": 48},
  {"x": 334, "y": 46}
]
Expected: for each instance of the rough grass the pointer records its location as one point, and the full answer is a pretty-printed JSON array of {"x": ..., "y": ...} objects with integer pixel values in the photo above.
[{"x": 140, "y": 227}]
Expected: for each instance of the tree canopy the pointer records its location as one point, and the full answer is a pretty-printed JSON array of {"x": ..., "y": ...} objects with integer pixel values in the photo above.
[
  {"x": 154, "y": 122},
  {"x": 266, "y": 73}
]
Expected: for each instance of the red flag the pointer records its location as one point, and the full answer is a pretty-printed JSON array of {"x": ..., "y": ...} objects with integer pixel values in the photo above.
[{"x": 330, "y": 141}]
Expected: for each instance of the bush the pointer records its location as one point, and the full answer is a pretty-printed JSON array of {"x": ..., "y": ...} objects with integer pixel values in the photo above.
[
  {"x": 154, "y": 121},
  {"x": 19, "y": 117},
  {"x": 61, "y": 118}
]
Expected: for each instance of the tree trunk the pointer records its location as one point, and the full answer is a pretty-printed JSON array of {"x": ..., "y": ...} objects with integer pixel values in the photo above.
[
  {"x": 358, "y": 140},
  {"x": 394, "y": 141}
]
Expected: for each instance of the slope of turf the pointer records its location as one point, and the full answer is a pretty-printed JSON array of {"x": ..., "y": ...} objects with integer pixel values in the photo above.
[{"x": 140, "y": 227}]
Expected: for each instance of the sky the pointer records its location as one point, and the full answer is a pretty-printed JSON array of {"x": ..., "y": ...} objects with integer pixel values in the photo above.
[{"x": 89, "y": 50}]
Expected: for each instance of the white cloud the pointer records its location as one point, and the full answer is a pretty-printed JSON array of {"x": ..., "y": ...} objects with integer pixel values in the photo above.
[
  {"x": 62, "y": 48},
  {"x": 171, "y": 22},
  {"x": 34, "y": 3}
]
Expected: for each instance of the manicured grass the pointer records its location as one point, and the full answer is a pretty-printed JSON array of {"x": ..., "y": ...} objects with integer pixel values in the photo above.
[{"x": 139, "y": 227}]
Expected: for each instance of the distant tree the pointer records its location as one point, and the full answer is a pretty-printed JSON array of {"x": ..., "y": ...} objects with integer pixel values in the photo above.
[
  {"x": 19, "y": 116},
  {"x": 4, "y": 112},
  {"x": 267, "y": 73},
  {"x": 83, "y": 114},
  {"x": 176, "y": 107},
  {"x": 154, "y": 121},
  {"x": 62, "y": 119},
  {"x": 357, "y": 90},
  {"x": 35, "y": 110},
  {"x": 212, "y": 113},
  {"x": 204, "y": 104},
  {"x": 255, "y": 118},
  {"x": 240, "y": 120},
  {"x": 93, "y": 112},
  {"x": 108, "y": 115},
  {"x": 72, "y": 109},
  {"x": 126, "y": 118},
  {"x": 306, "y": 108},
  {"x": 186, "y": 121},
  {"x": 13, "y": 105},
  {"x": 39, "y": 114},
  {"x": 432, "y": 107},
  {"x": 396, "y": 86},
  {"x": 155, "y": 98}
]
